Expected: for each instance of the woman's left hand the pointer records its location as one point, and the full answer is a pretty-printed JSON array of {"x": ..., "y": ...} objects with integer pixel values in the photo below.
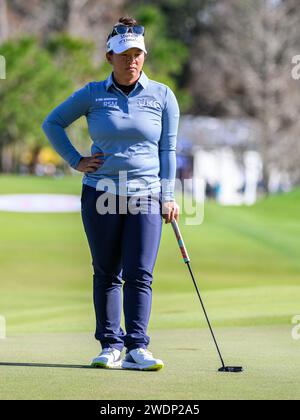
[{"x": 170, "y": 211}]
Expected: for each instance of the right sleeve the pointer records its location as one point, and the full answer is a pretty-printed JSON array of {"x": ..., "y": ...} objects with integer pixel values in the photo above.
[
  {"x": 60, "y": 118},
  {"x": 167, "y": 146}
]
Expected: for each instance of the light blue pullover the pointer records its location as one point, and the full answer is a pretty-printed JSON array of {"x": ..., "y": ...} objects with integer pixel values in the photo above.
[{"x": 137, "y": 133}]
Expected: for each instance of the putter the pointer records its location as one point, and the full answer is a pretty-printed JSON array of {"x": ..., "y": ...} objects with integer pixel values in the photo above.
[{"x": 227, "y": 369}]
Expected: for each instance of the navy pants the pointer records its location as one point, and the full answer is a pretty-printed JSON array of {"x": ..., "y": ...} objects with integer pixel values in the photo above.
[{"x": 123, "y": 247}]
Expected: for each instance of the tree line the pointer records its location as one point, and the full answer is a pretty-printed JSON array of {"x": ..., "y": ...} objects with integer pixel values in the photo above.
[{"x": 225, "y": 58}]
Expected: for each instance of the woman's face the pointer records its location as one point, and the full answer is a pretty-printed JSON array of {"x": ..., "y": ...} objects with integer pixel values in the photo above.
[{"x": 129, "y": 64}]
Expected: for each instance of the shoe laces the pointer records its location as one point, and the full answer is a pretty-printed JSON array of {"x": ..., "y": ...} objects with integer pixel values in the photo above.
[
  {"x": 145, "y": 351},
  {"x": 108, "y": 350}
]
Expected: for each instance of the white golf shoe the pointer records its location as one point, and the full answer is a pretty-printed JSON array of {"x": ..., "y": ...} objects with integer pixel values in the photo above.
[
  {"x": 109, "y": 358},
  {"x": 141, "y": 359}
]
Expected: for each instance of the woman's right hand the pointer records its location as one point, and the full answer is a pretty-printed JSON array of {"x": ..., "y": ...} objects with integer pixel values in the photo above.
[{"x": 91, "y": 164}]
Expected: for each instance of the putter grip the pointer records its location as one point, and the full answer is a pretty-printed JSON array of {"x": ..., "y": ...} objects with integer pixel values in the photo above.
[{"x": 180, "y": 242}]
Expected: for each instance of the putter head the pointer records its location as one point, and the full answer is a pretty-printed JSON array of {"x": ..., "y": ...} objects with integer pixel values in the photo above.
[{"x": 231, "y": 369}]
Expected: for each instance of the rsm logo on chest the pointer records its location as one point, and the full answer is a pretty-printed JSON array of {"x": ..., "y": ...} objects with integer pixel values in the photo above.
[
  {"x": 148, "y": 103},
  {"x": 108, "y": 102}
]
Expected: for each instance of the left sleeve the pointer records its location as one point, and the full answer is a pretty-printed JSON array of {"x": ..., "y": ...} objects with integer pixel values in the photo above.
[
  {"x": 60, "y": 118},
  {"x": 167, "y": 146}
]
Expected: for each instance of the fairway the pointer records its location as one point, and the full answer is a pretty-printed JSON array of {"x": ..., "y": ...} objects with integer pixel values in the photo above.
[{"x": 247, "y": 264}]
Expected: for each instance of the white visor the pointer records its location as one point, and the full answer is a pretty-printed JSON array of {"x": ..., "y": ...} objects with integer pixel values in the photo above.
[{"x": 120, "y": 43}]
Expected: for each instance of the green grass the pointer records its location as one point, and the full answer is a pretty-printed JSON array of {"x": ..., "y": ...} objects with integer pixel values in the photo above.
[
  {"x": 270, "y": 358},
  {"x": 246, "y": 261}
]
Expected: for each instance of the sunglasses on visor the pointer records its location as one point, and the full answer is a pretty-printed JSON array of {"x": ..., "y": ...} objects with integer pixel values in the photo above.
[{"x": 123, "y": 29}]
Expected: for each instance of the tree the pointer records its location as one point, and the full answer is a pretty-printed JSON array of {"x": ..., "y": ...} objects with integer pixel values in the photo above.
[
  {"x": 244, "y": 65},
  {"x": 24, "y": 95},
  {"x": 39, "y": 78},
  {"x": 3, "y": 21}
]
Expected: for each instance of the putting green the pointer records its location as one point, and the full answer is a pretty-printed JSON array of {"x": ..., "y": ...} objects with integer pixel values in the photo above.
[
  {"x": 269, "y": 355},
  {"x": 246, "y": 261}
]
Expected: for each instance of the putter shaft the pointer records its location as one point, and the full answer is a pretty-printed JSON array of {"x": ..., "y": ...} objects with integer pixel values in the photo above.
[{"x": 187, "y": 261}]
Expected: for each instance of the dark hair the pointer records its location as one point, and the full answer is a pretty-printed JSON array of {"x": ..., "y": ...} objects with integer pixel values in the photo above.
[{"x": 127, "y": 21}]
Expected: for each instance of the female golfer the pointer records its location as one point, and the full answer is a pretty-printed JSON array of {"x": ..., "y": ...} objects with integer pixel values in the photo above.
[{"x": 128, "y": 187}]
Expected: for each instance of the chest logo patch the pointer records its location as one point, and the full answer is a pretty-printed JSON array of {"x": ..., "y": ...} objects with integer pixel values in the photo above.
[
  {"x": 149, "y": 103},
  {"x": 108, "y": 102}
]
